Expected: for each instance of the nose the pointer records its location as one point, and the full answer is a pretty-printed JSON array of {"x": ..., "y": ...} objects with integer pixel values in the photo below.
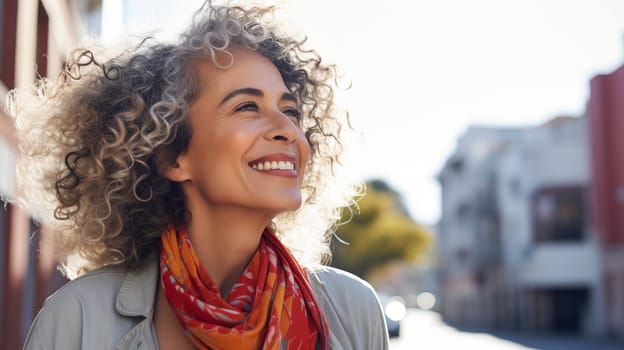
[{"x": 282, "y": 128}]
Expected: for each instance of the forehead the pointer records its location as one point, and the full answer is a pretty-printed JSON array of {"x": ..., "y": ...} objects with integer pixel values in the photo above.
[{"x": 238, "y": 67}]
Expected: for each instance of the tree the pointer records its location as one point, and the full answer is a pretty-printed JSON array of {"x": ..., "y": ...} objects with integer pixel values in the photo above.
[{"x": 376, "y": 232}]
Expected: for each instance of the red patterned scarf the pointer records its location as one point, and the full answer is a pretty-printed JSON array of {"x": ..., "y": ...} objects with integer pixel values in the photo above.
[{"x": 272, "y": 306}]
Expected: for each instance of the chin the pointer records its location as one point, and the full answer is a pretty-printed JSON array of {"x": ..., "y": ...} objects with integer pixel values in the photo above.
[
  {"x": 287, "y": 206},
  {"x": 291, "y": 207},
  {"x": 277, "y": 202}
]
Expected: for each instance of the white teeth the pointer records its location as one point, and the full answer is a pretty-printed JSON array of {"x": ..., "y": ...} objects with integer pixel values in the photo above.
[
  {"x": 274, "y": 165},
  {"x": 286, "y": 165}
]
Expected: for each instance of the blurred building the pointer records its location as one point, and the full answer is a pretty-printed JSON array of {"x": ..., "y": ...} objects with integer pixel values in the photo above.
[
  {"x": 605, "y": 111},
  {"x": 551, "y": 260},
  {"x": 515, "y": 251},
  {"x": 469, "y": 237},
  {"x": 35, "y": 39}
]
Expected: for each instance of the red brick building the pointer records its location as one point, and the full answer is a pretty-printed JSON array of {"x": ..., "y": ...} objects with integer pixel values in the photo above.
[
  {"x": 35, "y": 37},
  {"x": 605, "y": 112}
]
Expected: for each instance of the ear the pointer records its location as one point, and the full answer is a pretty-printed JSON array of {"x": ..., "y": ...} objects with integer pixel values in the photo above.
[{"x": 176, "y": 171}]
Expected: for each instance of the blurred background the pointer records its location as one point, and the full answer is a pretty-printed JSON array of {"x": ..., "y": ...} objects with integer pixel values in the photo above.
[{"x": 490, "y": 134}]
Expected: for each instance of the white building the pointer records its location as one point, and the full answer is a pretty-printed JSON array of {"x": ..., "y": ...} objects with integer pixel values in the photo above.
[
  {"x": 550, "y": 259},
  {"x": 515, "y": 250},
  {"x": 469, "y": 239}
]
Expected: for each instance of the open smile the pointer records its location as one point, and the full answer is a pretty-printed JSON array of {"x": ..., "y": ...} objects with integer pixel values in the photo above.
[
  {"x": 281, "y": 165},
  {"x": 277, "y": 164}
]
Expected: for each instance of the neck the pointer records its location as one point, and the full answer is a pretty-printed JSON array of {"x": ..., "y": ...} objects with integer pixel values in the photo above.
[{"x": 225, "y": 240}]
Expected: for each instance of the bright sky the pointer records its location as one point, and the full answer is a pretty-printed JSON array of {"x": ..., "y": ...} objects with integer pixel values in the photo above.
[{"x": 423, "y": 71}]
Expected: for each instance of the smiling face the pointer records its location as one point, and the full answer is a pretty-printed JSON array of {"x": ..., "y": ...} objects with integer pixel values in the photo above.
[{"x": 247, "y": 149}]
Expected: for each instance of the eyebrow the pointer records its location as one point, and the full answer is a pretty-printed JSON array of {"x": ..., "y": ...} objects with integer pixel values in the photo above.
[{"x": 255, "y": 92}]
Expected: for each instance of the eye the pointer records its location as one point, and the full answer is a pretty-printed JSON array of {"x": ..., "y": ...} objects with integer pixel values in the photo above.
[
  {"x": 293, "y": 112},
  {"x": 246, "y": 106}
]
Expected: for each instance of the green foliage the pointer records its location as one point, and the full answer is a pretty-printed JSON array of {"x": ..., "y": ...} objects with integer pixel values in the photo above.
[{"x": 377, "y": 232}]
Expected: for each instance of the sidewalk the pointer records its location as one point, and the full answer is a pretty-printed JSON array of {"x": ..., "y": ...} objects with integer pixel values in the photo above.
[
  {"x": 426, "y": 330},
  {"x": 558, "y": 342}
]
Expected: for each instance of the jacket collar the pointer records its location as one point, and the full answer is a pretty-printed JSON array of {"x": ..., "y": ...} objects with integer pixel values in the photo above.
[{"x": 138, "y": 290}]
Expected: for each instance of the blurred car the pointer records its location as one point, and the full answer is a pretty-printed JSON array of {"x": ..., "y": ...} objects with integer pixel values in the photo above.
[{"x": 394, "y": 310}]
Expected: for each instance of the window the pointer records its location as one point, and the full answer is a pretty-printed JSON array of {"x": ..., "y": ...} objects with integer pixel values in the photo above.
[
  {"x": 461, "y": 211},
  {"x": 8, "y": 32},
  {"x": 457, "y": 165},
  {"x": 1, "y": 30},
  {"x": 559, "y": 214}
]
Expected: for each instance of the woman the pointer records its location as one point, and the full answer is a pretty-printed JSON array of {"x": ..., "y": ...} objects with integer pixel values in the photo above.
[{"x": 182, "y": 181}]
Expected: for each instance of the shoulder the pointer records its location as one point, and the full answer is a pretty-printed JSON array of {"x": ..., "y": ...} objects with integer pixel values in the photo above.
[
  {"x": 101, "y": 285},
  {"x": 351, "y": 307},
  {"x": 343, "y": 292},
  {"x": 341, "y": 284},
  {"x": 60, "y": 322}
]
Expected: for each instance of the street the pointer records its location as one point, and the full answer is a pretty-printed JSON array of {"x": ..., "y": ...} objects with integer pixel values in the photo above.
[{"x": 425, "y": 330}]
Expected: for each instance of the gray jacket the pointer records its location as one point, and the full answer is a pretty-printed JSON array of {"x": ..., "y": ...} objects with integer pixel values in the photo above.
[{"x": 111, "y": 308}]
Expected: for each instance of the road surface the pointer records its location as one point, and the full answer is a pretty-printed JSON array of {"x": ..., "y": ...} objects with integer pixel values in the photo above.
[{"x": 425, "y": 330}]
